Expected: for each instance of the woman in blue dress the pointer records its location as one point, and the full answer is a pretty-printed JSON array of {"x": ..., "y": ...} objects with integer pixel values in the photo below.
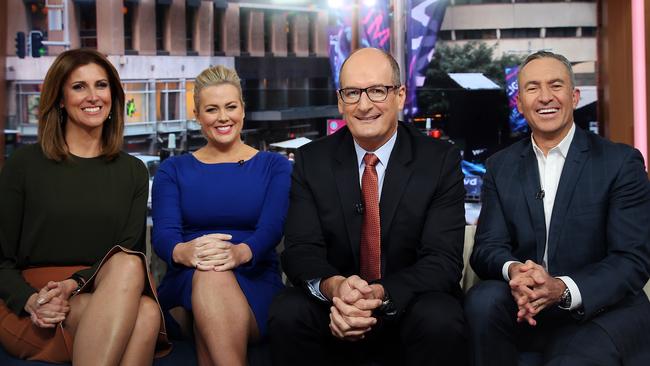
[{"x": 218, "y": 214}]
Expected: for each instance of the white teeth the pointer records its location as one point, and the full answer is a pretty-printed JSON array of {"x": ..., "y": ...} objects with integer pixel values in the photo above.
[
  {"x": 223, "y": 128},
  {"x": 547, "y": 110},
  {"x": 91, "y": 109}
]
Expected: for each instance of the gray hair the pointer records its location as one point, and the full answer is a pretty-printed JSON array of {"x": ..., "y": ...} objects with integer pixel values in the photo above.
[{"x": 548, "y": 54}]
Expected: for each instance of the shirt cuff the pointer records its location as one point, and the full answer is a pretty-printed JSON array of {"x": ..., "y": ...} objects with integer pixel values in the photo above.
[
  {"x": 576, "y": 298},
  {"x": 314, "y": 288},
  {"x": 504, "y": 270}
]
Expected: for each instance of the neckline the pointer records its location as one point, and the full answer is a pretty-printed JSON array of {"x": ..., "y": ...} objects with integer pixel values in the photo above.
[{"x": 226, "y": 162}]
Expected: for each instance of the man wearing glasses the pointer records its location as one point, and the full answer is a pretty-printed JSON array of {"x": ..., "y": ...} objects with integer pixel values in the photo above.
[{"x": 374, "y": 236}]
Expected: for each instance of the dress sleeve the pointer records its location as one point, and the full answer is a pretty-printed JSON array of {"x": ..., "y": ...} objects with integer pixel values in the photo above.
[
  {"x": 14, "y": 290},
  {"x": 268, "y": 230},
  {"x": 166, "y": 212},
  {"x": 133, "y": 234}
]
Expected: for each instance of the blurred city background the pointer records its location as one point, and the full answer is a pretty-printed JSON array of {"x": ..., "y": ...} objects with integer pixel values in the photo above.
[{"x": 459, "y": 60}]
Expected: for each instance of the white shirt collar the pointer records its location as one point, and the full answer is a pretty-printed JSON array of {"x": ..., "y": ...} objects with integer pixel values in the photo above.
[
  {"x": 383, "y": 153},
  {"x": 562, "y": 147}
]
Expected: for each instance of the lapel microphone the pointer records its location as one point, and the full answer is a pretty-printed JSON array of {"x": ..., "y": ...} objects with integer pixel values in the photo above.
[
  {"x": 358, "y": 207},
  {"x": 540, "y": 195},
  {"x": 241, "y": 163}
]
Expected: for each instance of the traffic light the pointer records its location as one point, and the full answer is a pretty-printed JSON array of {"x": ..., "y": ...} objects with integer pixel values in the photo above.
[
  {"x": 37, "y": 44},
  {"x": 20, "y": 44}
]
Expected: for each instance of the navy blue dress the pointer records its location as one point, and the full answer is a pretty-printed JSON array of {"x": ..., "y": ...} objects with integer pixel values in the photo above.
[{"x": 248, "y": 201}]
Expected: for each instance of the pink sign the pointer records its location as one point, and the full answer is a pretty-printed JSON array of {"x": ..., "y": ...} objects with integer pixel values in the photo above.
[{"x": 334, "y": 125}]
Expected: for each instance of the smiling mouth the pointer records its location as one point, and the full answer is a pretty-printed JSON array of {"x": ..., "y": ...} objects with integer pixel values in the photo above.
[
  {"x": 547, "y": 111},
  {"x": 91, "y": 109},
  {"x": 368, "y": 118},
  {"x": 224, "y": 129}
]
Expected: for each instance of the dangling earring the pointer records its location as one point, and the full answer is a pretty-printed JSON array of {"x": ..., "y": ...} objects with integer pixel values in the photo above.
[{"x": 110, "y": 115}]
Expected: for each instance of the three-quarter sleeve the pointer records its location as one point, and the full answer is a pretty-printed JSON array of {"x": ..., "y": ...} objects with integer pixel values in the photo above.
[
  {"x": 270, "y": 224},
  {"x": 166, "y": 212}
]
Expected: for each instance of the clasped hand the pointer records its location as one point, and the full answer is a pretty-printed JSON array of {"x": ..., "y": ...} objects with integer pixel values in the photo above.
[
  {"x": 533, "y": 289},
  {"x": 212, "y": 252},
  {"x": 50, "y": 305},
  {"x": 353, "y": 301}
]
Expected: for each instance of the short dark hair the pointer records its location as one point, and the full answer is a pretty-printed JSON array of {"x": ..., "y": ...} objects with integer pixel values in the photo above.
[
  {"x": 548, "y": 54},
  {"x": 393, "y": 65},
  {"x": 52, "y": 118}
]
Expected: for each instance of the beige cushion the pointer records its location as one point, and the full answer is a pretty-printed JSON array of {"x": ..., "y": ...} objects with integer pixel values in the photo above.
[{"x": 469, "y": 277}]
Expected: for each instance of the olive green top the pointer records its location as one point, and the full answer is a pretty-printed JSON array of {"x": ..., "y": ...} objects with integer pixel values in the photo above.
[{"x": 66, "y": 213}]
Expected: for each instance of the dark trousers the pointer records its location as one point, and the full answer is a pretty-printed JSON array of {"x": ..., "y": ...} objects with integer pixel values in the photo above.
[
  {"x": 430, "y": 332},
  {"x": 618, "y": 336}
]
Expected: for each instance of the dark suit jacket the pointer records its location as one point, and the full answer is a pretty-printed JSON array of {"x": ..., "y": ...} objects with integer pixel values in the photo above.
[
  {"x": 600, "y": 227},
  {"x": 421, "y": 210}
]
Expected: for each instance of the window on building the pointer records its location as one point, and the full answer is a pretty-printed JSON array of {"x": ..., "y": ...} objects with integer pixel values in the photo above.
[
  {"x": 189, "y": 100},
  {"x": 87, "y": 24},
  {"x": 129, "y": 12},
  {"x": 561, "y": 32},
  {"x": 462, "y": 34},
  {"x": 244, "y": 34},
  {"x": 518, "y": 33},
  {"x": 28, "y": 98},
  {"x": 589, "y": 31},
  {"x": 169, "y": 99},
  {"x": 445, "y": 35},
  {"x": 219, "y": 34},
  {"x": 291, "y": 29},
  {"x": 191, "y": 25},
  {"x": 138, "y": 101},
  {"x": 313, "y": 23},
  {"x": 162, "y": 12},
  {"x": 268, "y": 31}
]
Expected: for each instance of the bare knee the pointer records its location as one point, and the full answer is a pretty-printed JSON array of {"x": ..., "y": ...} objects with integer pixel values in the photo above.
[
  {"x": 148, "y": 316},
  {"x": 122, "y": 269},
  {"x": 212, "y": 280}
]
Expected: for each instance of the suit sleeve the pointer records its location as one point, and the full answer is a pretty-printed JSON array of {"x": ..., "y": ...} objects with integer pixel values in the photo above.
[
  {"x": 493, "y": 243},
  {"x": 305, "y": 254},
  {"x": 440, "y": 251},
  {"x": 624, "y": 270}
]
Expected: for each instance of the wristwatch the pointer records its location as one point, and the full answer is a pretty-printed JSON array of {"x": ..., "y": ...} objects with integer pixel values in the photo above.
[
  {"x": 565, "y": 300},
  {"x": 387, "y": 308}
]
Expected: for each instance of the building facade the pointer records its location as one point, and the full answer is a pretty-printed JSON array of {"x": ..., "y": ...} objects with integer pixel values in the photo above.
[{"x": 159, "y": 46}]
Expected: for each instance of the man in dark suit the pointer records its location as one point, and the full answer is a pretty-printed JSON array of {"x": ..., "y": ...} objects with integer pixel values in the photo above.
[
  {"x": 374, "y": 236},
  {"x": 563, "y": 238}
]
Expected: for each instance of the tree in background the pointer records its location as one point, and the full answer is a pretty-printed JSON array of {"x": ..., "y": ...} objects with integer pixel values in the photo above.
[{"x": 470, "y": 57}]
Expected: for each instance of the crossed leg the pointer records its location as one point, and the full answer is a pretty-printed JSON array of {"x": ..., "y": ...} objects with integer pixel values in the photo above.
[{"x": 116, "y": 323}]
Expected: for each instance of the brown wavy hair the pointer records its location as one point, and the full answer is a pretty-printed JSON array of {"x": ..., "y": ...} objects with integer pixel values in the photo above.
[{"x": 52, "y": 118}]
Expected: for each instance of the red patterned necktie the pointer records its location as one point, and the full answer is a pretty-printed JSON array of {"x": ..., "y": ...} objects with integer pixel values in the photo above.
[{"x": 370, "y": 230}]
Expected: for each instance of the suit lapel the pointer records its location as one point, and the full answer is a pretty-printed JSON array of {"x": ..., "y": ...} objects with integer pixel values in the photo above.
[
  {"x": 575, "y": 161},
  {"x": 529, "y": 175},
  {"x": 397, "y": 176},
  {"x": 346, "y": 175}
]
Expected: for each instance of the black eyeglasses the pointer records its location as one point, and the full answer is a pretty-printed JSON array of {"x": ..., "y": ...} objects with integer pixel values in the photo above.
[{"x": 376, "y": 93}]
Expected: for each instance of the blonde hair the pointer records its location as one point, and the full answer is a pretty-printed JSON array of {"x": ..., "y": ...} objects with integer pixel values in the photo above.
[
  {"x": 52, "y": 118},
  {"x": 213, "y": 76}
]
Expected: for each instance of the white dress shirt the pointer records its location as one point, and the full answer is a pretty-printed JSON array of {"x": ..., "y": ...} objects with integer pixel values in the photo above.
[{"x": 550, "y": 169}]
